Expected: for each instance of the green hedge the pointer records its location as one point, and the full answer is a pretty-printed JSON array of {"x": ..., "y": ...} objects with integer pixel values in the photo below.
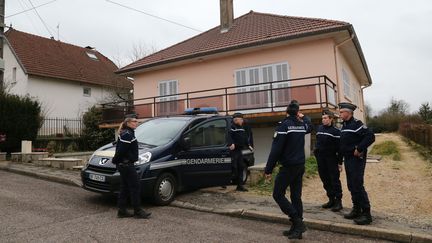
[
  {"x": 93, "y": 136},
  {"x": 20, "y": 119}
]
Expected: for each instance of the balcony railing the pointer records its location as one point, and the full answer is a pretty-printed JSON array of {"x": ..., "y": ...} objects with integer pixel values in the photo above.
[{"x": 311, "y": 92}]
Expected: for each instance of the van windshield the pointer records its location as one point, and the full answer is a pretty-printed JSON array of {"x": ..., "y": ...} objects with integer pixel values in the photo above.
[{"x": 159, "y": 131}]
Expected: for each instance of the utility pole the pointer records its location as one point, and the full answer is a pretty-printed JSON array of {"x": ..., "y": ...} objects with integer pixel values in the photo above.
[{"x": 2, "y": 26}]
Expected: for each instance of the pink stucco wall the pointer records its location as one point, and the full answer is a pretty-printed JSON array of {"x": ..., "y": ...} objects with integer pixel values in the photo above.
[{"x": 305, "y": 59}]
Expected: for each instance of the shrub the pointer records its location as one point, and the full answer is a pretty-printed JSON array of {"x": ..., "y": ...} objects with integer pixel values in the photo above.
[
  {"x": 93, "y": 136},
  {"x": 20, "y": 119},
  {"x": 387, "y": 148},
  {"x": 72, "y": 147},
  {"x": 311, "y": 166}
]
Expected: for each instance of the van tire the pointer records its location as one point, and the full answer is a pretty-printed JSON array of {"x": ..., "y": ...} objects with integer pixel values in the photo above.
[{"x": 165, "y": 189}]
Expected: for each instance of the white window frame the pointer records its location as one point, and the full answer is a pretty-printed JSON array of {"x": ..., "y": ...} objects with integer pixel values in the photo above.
[
  {"x": 14, "y": 75},
  {"x": 264, "y": 77},
  {"x": 92, "y": 56},
  {"x": 347, "y": 86},
  {"x": 84, "y": 91},
  {"x": 170, "y": 94}
]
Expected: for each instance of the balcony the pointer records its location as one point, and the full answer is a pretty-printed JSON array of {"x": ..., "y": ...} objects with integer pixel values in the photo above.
[{"x": 313, "y": 93}]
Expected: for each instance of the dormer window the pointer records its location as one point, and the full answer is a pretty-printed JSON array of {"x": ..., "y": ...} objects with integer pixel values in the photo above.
[{"x": 92, "y": 55}]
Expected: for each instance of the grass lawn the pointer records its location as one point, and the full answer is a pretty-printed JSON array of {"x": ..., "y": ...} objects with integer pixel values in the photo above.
[
  {"x": 387, "y": 148},
  {"x": 266, "y": 188}
]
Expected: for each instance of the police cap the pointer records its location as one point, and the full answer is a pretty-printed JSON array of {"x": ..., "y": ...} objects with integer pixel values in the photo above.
[
  {"x": 328, "y": 113},
  {"x": 133, "y": 115},
  {"x": 347, "y": 106},
  {"x": 238, "y": 115}
]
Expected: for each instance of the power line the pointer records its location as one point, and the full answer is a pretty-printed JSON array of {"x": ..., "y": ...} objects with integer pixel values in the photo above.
[
  {"x": 154, "y": 16},
  {"x": 43, "y": 22},
  {"x": 26, "y": 10}
]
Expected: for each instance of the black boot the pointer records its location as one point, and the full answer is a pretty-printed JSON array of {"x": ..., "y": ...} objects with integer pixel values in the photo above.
[
  {"x": 123, "y": 213},
  {"x": 337, "y": 206},
  {"x": 355, "y": 213},
  {"x": 298, "y": 229},
  {"x": 365, "y": 218},
  {"x": 329, "y": 204},
  {"x": 241, "y": 188},
  {"x": 290, "y": 231},
  {"x": 141, "y": 214}
]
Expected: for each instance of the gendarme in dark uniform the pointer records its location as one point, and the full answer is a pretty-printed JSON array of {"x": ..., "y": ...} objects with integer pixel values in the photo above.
[
  {"x": 355, "y": 139},
  {"x": 239, "y": 139},
  {"x": 126, "y": 155},
  {"x": 327, "y": 154},
  {"x": 288, "y": 149}
]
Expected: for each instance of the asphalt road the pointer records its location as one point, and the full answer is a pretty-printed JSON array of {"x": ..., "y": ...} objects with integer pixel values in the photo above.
[{"x": 33, "y": 210}]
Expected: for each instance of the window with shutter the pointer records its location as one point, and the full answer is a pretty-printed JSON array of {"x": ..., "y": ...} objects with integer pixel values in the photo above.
[
  {"x": 259, "y": 76},
  {"x": 167, "y": 104}
]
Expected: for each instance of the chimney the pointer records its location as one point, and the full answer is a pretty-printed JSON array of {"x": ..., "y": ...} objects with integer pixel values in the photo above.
[{"x": 226, "y": 15}]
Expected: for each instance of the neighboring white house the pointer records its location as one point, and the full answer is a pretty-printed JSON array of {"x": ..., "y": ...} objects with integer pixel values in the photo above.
[{"x": 65, "y": 78}]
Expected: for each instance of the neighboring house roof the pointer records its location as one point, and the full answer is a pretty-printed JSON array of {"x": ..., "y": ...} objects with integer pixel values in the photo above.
[
  {"x": 55, "y": 59},
  {"x": 247, "y": 30}
]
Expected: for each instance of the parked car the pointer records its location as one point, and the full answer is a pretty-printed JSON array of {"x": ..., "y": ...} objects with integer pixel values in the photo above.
[{"x": 176, "y": 153}]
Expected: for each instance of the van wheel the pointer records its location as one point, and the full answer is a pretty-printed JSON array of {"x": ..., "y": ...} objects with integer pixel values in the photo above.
[{"x": 165, "y": 189}]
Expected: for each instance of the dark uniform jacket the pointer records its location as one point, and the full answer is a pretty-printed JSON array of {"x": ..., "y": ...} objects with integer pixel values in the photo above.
[
  {"x": 328, "y": 141},
  {"x": 355, "y": 135},
  {"x": 126, "y": 148},
  {"x": 238, "y": 136},
  {"x": 288, "y": 143}
]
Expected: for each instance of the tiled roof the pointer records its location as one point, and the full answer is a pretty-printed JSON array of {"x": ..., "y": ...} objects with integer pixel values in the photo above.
[
  {"x": 247, "y": 30},
  {"x": 55, "y": 59}
]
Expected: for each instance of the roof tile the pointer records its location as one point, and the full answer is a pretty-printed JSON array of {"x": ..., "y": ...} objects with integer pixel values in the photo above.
[
  {"x": 249, "y": 29},
  {"x": 51, "y": 58}
]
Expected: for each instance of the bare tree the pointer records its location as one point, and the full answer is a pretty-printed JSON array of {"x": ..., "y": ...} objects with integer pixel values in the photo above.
[{"x": 140, "y": 50}]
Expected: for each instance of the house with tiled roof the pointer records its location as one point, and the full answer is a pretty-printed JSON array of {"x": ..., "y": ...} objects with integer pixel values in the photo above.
[
  {"x": 254, "y": 64},
  {"x": 65, "y": 78}
]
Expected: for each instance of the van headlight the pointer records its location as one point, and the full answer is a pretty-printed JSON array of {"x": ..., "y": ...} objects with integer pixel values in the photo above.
[
  {"x": 87, "y": 163},
  {"x": 144, "y": 158}
]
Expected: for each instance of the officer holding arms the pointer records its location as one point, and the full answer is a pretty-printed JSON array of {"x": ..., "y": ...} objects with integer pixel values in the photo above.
[
  {"x": 288, "y": 149},
  {"x": 126, "y": 155},
  {"x": 355, "y": 139},
  {"x": 238, "y": 140},
  {"x": 329, "y": 162}
]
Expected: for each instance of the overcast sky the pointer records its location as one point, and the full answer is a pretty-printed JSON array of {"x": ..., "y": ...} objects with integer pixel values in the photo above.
[{"x": 396, "y": 35}]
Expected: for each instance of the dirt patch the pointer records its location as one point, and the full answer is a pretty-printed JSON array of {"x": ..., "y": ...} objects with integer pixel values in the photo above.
[{"x": 400, "y": 189}]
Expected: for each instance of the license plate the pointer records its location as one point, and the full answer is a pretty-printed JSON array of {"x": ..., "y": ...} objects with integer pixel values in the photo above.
[{"x": 97, "y": 177}]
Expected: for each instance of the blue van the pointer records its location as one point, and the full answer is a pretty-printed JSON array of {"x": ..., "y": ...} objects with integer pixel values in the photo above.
[{"x": 176, "y": 153}]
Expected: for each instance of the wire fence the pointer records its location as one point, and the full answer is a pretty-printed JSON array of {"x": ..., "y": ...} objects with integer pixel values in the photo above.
[{"x": 61, "y": 127}]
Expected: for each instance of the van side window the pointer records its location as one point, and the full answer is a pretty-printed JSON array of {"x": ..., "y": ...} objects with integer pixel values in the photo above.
[{"x": 209, "y": 134}]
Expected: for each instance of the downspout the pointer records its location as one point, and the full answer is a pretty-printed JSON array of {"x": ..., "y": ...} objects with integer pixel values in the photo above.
[
  {"x": 336, "y": 63},
  {"x": 364, "y": 110}
]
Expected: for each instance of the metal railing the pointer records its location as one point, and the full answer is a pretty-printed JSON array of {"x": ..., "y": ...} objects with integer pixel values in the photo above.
[
  {"x": 61, "y": 127},
  {"x": 311, "y": 92}
]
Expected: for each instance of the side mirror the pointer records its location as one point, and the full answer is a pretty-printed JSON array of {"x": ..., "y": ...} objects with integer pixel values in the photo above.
[{"x": 185, "y": 143}]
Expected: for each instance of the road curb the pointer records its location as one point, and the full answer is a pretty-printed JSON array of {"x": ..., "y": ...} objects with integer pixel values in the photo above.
[
  {"x": 367, "y": 231},
  {"x": 42, "y": 176}
]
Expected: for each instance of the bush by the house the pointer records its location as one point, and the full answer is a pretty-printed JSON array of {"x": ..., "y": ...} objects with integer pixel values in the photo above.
[
  {"x": 20, "y": 119},
  {"x": 93, "y": 136}
]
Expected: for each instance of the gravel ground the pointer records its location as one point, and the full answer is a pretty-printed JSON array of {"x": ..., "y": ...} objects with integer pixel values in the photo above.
[{"x": 400, "y": 189}]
